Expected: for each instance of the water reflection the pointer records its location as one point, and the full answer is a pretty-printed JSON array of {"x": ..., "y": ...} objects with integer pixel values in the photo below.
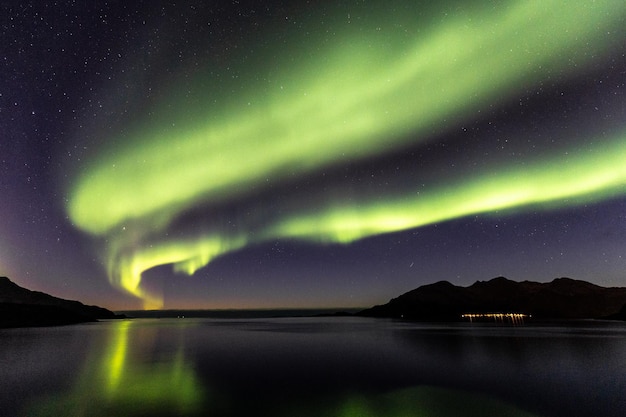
[
  {"x": 340, "y": 367},
  {"x": 420, "y": 401},
  {"x": 131, "y": 374}
]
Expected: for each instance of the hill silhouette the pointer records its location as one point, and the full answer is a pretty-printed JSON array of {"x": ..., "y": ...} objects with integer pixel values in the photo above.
[
  {"x": 563, "y": 298},
  {"x": 20, "y": 307}
]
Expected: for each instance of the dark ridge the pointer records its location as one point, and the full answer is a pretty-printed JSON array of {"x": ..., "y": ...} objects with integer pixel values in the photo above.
[
  {"x": 20, "y": 307},
  {"x": 620, "y": 315},
  {"x": 563, "y": 298}
]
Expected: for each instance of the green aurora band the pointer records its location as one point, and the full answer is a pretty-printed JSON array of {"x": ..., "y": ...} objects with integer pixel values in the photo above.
[{"x": 364, "y": 94}]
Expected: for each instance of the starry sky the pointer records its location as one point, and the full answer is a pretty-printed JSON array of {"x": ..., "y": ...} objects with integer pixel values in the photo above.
[{"x": 268, "y": 154}]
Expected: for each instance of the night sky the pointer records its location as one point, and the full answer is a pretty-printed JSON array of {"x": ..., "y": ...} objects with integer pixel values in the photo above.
[{"x": 266, "y": 154}]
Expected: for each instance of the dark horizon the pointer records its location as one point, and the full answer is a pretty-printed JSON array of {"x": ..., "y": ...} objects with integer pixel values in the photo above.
[{"x": 561, "y": 298}]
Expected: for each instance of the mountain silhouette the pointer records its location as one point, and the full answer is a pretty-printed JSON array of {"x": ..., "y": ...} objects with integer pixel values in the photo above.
[
  {"x": 20, "y": 307},
  {"x": 563, "y": 298}
]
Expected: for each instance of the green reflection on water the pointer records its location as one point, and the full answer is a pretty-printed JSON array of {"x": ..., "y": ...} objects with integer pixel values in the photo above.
[
  {"x": 125, "y": 377},
  {"x": 421, "y": 401},
  {"x": 139, "y": 368}
]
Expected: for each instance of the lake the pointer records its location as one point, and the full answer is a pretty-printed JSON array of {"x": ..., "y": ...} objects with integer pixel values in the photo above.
[{"x": 317, "y": 366}]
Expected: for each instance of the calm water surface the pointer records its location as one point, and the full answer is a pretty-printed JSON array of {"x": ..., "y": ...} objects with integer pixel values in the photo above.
[{"x": 313, "y": 367}]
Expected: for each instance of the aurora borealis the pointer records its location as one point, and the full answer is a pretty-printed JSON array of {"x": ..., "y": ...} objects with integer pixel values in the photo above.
[{"x": 211, "y": 134}]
